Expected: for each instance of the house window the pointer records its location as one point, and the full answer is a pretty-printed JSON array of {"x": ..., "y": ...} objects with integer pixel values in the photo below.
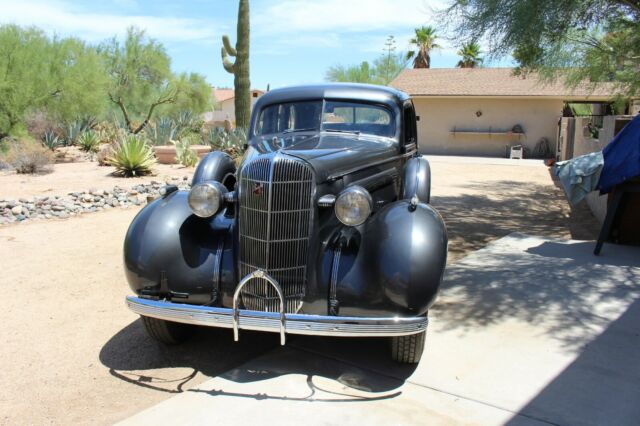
[{"x": 255, "y": 94}]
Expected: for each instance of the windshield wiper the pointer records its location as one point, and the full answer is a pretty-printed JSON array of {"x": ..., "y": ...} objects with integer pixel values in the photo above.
[
  {"x": 299, "y": 130},
  {"x": 352, "y": 132}
]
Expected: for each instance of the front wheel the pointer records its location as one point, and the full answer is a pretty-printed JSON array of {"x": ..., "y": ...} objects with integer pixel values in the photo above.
[
  {"x": 408, "y": 349},
  {"x": 167, "y": 332}
]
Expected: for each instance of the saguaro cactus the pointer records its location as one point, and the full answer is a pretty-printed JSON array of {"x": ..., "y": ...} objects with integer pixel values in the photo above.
[{"x": 240, "y": 68}]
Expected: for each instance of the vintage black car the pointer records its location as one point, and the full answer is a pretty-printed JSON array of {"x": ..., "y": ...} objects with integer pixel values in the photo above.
[{"x": 325, "y": 227}]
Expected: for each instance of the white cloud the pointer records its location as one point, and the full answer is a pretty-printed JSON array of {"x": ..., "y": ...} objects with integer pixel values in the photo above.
[
  {"x": 63, "y": 18},
  {"x": 345, "y": 16}
]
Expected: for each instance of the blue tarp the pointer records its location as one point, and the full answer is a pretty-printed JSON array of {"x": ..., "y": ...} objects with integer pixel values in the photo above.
[{"x": 621, "y": 157}]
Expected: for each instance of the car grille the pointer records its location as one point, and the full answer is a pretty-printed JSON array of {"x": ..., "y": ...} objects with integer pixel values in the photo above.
[{"x": 275, "y": 214}]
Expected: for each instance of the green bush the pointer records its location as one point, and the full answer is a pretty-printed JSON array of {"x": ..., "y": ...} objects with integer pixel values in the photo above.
[
  {"x": 132, "y": 157},
  {"x": 88, "y": 142},
  {"x": 27, "y": 156},
  {"x": 184, "y": 154}
]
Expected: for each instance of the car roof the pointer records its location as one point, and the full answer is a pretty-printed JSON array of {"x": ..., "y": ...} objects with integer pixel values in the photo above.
[{"x": 346, "y": 91}]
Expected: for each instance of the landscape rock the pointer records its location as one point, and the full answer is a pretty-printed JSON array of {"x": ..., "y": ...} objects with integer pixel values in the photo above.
[{"x": 81, "y": 202}]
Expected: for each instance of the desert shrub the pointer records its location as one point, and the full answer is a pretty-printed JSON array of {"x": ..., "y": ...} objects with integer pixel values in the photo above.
[
  {"x": 27, "y": 156},
  {"x": 88, "y": 141},
  {"x": 132, "y": 157},
  {"x": 51, "y": 141},
  {"x": 39, "y": 124},
  {"x": 105, "y": 152},
  {"x": 109, "y": 132},
  {"x": 184, "y": 154}
]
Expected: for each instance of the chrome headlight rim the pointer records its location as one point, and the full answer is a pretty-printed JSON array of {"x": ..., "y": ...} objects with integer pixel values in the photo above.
[
  {"x": 361, "y": 195},
  {"x": 211, "y": 195}
]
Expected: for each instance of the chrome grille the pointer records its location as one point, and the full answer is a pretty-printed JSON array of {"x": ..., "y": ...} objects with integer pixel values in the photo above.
[{"x": 275, "y": 214}]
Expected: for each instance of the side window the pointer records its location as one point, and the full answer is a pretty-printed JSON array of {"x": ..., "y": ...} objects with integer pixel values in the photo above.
[{"x": 410, "y": 131}]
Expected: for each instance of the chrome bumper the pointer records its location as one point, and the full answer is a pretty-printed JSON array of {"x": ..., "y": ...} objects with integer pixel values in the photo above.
[
  {"x": 317, "y": 325},
  {"x": 276, "y": 322}
]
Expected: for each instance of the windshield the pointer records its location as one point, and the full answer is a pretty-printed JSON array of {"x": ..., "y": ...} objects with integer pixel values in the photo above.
[{"x": 327, "y": 116}]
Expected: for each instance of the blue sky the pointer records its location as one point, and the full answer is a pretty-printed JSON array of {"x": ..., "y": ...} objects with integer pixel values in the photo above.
[{"x": 292, "y": 41}]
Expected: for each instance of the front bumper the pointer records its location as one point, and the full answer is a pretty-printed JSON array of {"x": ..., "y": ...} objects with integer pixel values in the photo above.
[
  {"x": 276, "y": 322},
  {"x": 317, "y": 325}
]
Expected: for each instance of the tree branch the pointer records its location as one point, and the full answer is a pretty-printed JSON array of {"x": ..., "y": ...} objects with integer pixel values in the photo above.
[
  {"x": 123, "y": 108},
  {"x": 170, "y": 98}
]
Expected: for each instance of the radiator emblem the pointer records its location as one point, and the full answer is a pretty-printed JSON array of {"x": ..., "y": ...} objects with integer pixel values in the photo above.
[{"x": 258, "y": 189}]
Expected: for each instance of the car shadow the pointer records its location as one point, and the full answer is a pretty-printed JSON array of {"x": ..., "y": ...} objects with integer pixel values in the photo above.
[{"x": 362, "y": 365}]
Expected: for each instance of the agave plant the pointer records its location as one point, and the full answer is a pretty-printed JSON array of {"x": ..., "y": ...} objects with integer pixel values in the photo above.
[
  {"x": 185, "y": 120},
  {"x": 51, "y": 141},
  {"x": 218, "y": 138},
  {"x": 71, "y": 132},
  {"x": 77, "y": 128},
  {"x": 132, "y": 157},
  {"x": 232, "y": 143},
  {"x": 88, "y": 141},
  {"x": 238, "y": 138},
  {"x": 184, "y": 154},
  {"x": 162, "y": 131}
]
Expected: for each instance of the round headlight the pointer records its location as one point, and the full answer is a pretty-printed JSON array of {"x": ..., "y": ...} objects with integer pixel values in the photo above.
[
  {"x": 205, "y": 198},
  {"x": 353, "y": 206}
]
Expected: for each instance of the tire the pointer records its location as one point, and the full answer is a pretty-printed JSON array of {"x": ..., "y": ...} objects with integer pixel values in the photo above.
[
  {"x": 167, "y": 332},
  {"x": 408, "y": 349}
]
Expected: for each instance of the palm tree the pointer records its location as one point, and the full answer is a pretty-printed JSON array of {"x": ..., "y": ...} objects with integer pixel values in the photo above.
[
  {"x": 425, "y": 42},
  {"x": 470, "y": 53}
]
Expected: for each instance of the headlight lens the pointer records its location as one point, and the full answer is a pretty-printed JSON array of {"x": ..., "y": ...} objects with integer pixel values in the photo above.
[
  {"x": 205, "y": 198},
  {"x": 353, "y": 206}
]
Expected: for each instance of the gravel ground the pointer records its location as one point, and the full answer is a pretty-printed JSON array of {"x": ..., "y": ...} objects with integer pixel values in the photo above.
[{"x": 72, "y": 353}]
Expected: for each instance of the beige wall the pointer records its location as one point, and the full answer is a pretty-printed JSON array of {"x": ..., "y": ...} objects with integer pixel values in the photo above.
[
  {"x": 228, "y": 106},
  {"x": 439, "y": 116}
]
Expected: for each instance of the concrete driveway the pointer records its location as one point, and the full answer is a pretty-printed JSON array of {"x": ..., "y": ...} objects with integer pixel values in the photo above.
[{"x": 527, "y": 330}]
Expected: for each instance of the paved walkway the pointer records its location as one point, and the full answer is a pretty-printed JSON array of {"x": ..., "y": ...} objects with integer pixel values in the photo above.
[{"x": 527, "y": 331}]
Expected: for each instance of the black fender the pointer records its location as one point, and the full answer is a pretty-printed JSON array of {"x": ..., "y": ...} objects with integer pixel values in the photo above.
[
  {"x": 394, "y": 264},
  {"x": 417, "y": 180},
  {"x": 218, "y": 166},
  {"x": 171, "y": 253}
]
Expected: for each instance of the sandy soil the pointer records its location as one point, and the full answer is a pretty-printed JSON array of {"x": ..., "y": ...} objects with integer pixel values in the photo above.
[
  {"x": 72, "y": 353},
  {"x": 82, "y": 176}
]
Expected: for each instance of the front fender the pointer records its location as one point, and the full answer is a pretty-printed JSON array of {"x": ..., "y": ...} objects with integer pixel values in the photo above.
[
  {"x": 171, "y": 253},
  {"x": 399, "y": 264}
]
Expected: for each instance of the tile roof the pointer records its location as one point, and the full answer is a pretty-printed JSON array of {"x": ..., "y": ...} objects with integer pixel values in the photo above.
[
  {"x": 222, "y": 95},
  {"x": 490, "y": 82}
]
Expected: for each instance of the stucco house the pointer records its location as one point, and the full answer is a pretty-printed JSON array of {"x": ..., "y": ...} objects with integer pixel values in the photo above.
[
  {"x": 225, "y": 104},
  {"x": 485, "y": 111}
]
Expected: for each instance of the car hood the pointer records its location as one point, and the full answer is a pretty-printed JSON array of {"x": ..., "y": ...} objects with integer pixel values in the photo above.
[{"x": 330, "y": 154}]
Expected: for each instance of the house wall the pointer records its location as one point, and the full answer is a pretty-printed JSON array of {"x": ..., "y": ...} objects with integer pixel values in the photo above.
[
  {"x": 440, "y": 116},
  {"x": 228, "y": 106}
]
